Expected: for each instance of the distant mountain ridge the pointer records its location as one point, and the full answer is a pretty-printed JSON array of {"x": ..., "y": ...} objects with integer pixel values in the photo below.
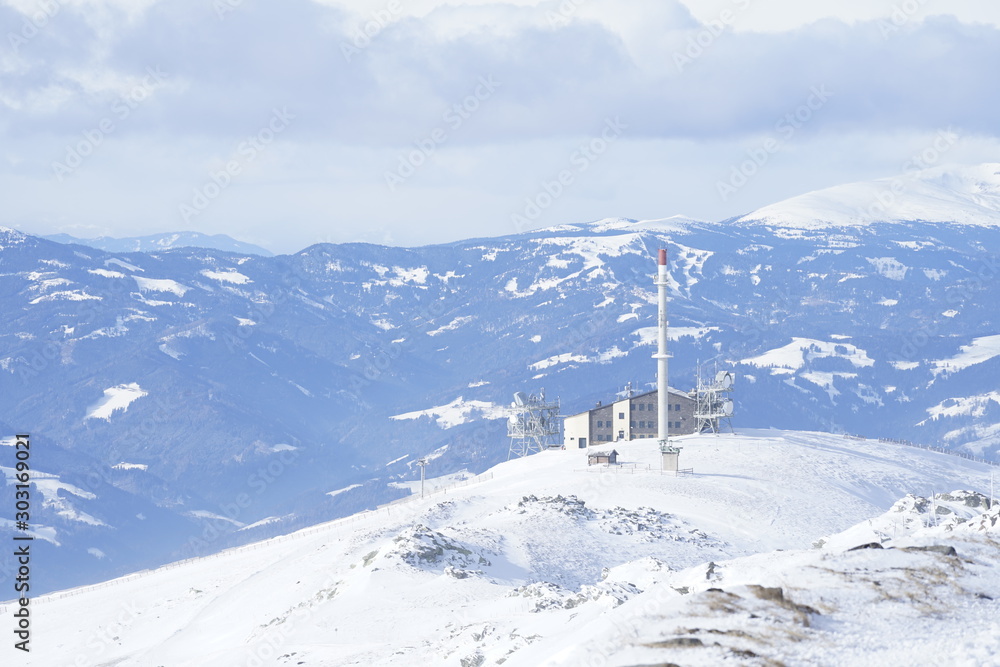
[
  {"x": 230, "y": 390},
  {"x": 966, "y": 195},
  {"x": 164, "y": 241}
]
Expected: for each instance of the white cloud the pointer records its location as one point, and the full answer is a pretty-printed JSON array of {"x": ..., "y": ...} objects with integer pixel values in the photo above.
[{"x": 560, "y": 81}]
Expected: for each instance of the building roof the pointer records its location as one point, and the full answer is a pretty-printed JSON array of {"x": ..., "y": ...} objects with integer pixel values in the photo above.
[
  {"x": 676, "y": 392},
  {"x": 592, "y": 455},
  {"x": 670, "y": 390}
]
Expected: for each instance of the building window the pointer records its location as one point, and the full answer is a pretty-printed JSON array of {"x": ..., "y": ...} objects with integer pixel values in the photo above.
[
  {"x": 621, "y": 415},
  {"x": 642, "y": 406},
  {"x": 600, "y": 424},
  {"x": 677, "y": 406},
  {"x": 631, "y": 424},
  {"x": 649, "y": 407}
]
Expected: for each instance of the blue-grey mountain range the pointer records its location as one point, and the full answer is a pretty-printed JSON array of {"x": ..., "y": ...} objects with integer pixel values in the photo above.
[{"x": 177, "y": 396}]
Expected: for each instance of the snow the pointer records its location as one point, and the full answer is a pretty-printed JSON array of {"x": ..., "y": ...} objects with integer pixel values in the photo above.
[
  {"x": 967, "y": 195},
  {"x": 169, "y": 350},
  {"x": 343, "y": 490},
  {"x": 434, "y": 483},
  {"x": 572, "y": 249},
  {"x": 263, "y": 522},
  {"x": 793, "y": 357},
  {"x": 122, "y": 263},
  {"x": 825, "y": 380},
  {"x": 404, "y": 275},
  {"x": 674, "y": 224},
  {"x": 130, "y": 466},
  {"x": 231, "y": 276},
  {"x": 980, "y": 350},
  {"x": 104, "y": 273},
  {"x": 244, "y": 322},
  {"x": 51, "y": 488},
  {"x": 160, "y": 285},
  {"x": 565, "y": 358},
  {"x": 648, "y": 335},
  {"x": 459, "y": 411},
  {"x": 544, "y": 561},
  {"x": 115, "y": 398},
  {"x": 205, "y": 514},
  {"x": 451, "y": 326},
  {"x": 969, "y": 406},
  {"x": 65, "y": 295},
  {"x": 889, "y": 267}
]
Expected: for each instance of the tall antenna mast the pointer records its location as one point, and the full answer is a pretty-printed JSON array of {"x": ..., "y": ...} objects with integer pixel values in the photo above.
[
  {"x": 662, "y": 386},
  {"x": 669, "y": 454}
]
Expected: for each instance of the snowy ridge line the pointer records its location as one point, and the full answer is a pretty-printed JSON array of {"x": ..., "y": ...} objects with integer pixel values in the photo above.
[
  {"x": 940, "y": 450},
  {"x": 311, "y": 530}
]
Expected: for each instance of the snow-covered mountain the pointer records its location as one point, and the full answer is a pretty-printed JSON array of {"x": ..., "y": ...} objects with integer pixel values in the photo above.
[
  {"x": 780, "y": 548},
  {"x": 168, "y": 241},
  {"x": 236, "y": 393},
  {"x": 967, "y": 195}
]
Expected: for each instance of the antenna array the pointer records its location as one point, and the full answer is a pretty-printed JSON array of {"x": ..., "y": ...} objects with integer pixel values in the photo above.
[{"x": 532, "y": 424}]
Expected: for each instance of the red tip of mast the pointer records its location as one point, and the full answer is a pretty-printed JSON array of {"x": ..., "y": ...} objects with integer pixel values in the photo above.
[{"x": 663, "y": 257}]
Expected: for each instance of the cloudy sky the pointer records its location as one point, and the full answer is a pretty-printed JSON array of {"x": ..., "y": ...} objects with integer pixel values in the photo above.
[{"x": 292, "y": 122}]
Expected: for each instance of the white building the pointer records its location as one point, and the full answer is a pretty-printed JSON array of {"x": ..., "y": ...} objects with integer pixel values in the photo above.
[{"x": 629, "y": 419}]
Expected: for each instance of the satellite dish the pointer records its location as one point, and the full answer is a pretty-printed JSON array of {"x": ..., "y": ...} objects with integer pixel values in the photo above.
[
  {"x": 520, "y": 399},
  {"x": 724, "y": 378},
  {"x": 727, "y": 408}
]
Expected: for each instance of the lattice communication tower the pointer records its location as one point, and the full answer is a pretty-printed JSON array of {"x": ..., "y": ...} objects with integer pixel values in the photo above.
[{"x": 533, "y": 424}]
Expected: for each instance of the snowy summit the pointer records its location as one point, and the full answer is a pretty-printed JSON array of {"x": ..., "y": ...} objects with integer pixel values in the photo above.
[
  {"x": 967, "y": 195},
  {"x": 780, "y": 548}
]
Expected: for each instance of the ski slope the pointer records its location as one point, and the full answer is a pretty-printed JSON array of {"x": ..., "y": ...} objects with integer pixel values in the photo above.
[{"x": 543, "y": 560}]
